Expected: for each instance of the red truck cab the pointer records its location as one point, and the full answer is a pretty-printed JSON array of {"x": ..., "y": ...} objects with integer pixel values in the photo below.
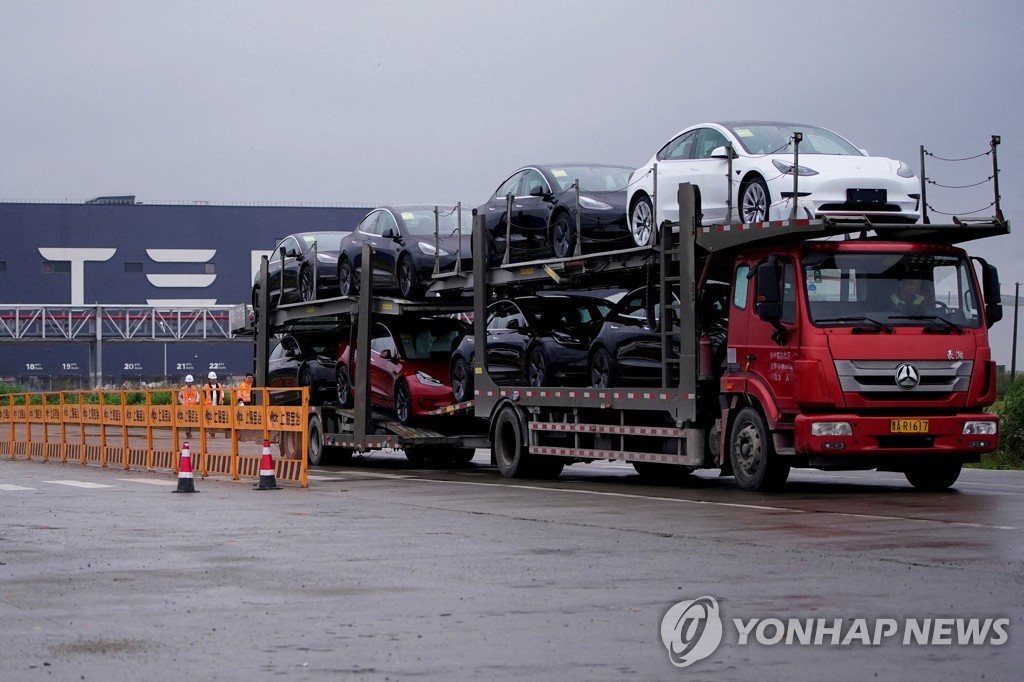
[{"x": 859, "y": 354}]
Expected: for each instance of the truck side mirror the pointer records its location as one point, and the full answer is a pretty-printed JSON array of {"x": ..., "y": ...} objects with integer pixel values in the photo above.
[
  {"x": 769, "y": 291},
  {"x": 993, "y": 297}
]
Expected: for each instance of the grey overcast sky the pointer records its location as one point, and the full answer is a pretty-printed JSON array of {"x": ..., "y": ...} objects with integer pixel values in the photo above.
[{"x": 377, "y": 101}]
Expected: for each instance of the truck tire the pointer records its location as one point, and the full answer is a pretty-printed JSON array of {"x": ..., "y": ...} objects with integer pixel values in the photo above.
[
  {"x": 752, "y": 453},
  {"x": 320, "y": 454},
  {"x": 291, "y": 445},
  {"x": 934, "y": 476},
  {"x": 508, "y": 446},
  {"x": 508, "y": 443}
]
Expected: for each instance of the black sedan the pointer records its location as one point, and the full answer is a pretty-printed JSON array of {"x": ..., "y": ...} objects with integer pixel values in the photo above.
[
  {"x": 542, "y": 220},
  {"x": 626, "y": 351},
  {"x": 302, "y": 267},
  {"x": 407, "y": 241},
  {"x": 303, "y": 360},
  {"x": 533, "y": 341}
]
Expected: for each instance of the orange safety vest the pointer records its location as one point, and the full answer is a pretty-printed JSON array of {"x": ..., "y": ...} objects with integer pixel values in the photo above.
[
  {"x": 244, "y": 392},
  {"x": 189, "y": 396},
  {"x": 212, "y": 394}
]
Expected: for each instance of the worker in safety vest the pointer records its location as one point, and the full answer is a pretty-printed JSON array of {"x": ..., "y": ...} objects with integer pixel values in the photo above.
[
  {"x": 243, "y": 394},
  {"x": 908, "y": 294},
  {"x": 188, "y": 395},
  {"x": 213, "y": 392}
]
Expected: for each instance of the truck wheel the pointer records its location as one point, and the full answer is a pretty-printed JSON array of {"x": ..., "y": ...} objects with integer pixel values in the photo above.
[
  {"x": 752, "y": 454},
  {"x": 291, "y": 445},
  {"x": 508, "y": 444},
  {"x": 934, "y": 476},
  {"x": 641, "y": 222},
  {"x": 320, "y": 454},
  {"x": 462, "y": 380},
  {"x": 563, "y": 236}
]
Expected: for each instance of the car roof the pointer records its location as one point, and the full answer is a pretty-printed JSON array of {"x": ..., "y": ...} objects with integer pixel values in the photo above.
[{"x": 735, "y": 124}]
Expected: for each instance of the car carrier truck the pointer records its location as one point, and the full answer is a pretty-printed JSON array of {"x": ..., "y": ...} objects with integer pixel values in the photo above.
[{"x": 784, "y": 344}]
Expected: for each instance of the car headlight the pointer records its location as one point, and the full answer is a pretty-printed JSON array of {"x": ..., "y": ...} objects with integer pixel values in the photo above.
[
  {"x": 594, "y": 204},
  {"x": 831, "y": 429},
  {"x": 429, "y": 250},
  {"x": 985, "y": 428},
  {"x": 565, "y": 339},
  {"x": 427, "y": 380},
  {"x": 788, "y": 168},
  {"x": 904, "y": 171}
]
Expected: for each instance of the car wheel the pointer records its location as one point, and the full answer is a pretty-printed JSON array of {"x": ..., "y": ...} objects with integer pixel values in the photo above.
[
  {"x": 641, "y": 222},
  {"x": 563, "y": 236},
  {"x": 346, "y": 277},
  {"x": 307, "y": 285},
  {"x": 406, "y": 273},
  {"x": 537, "y": 368},
  {"x": 934, "y": 476},
  {"x": 754, "y": 200},
  {"x": 343, "y": 384},
  {"x": 306, "y": 379},
  {"x": 755, "y": 464},
  {"x": 462, "y": 380},
  {"x": 601, "y": 369},
  {"x": 403, "y": 402}
]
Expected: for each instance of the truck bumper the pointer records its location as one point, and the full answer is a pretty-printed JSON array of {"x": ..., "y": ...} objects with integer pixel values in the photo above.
[{"x": 897, "y": 436}]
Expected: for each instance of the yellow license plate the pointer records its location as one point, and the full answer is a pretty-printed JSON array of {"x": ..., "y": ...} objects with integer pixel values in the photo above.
[{"x": 908, "y": 426}]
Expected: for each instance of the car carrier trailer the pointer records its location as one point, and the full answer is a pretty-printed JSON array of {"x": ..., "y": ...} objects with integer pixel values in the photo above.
[{"x": 755, "y": 377}]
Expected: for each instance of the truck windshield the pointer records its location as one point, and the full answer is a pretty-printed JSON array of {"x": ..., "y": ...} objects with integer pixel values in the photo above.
[{"x": 891, "y": 290}]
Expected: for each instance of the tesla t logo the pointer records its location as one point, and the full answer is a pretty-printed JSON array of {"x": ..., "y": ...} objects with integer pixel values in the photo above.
[{"x": 907, "y": 376}]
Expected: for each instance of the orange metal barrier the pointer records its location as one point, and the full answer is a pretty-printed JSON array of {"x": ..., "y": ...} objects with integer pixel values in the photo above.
[{"x": 102, "y": 428}]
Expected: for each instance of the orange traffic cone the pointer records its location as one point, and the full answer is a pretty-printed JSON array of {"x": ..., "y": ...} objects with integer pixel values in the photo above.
[
  {"x": 185, "y": 482},
  {"x": 267, "y": 478}
]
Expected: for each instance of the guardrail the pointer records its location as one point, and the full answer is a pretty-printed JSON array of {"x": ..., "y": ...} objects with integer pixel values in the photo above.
[{"x": 146, "y": 429}]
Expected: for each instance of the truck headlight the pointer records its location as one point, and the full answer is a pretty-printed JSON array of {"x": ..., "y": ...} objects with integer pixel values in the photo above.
[
  {"x": 831, "y": 429},
  {"x": 985, "y": 428}
]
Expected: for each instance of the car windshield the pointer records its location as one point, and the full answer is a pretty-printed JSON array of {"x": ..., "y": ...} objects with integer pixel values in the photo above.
[
  {"x": 890, "y": 290},
  {"x": 559, "y": 313},
  {"x": 592, "y": 178},
  {"x": 325, "y": 241},
  {"x": 420, "y": 221},
  {"x": 777, "y": 138},
  {"x": 430, "y": 339}
]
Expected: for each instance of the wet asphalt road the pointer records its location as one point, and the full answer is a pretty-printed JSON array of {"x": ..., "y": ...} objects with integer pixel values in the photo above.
[{"x": 380, "y": 571}]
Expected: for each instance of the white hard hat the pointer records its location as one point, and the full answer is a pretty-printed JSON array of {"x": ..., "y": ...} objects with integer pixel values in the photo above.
[
  {"x": 189, "y": 379},
  {"x": 211, "y": 375}
]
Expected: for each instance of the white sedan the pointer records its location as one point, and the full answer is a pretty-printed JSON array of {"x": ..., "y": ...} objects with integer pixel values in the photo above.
[{"x": 835, "y": 178}]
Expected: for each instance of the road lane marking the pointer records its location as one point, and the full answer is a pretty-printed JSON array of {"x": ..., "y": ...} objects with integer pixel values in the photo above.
[
  {"x": 12, "y": 487},
  {"x": 81, "y": 484},
  {"x": 149, "y": 481},
  {"x": 736, "y": 505}
]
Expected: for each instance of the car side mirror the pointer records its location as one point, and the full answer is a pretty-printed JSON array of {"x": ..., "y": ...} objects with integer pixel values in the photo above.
[
  {"x": 537, "y": 191},
  {"x": 512, "y": 324},
  {"x": 386, "y": 354},
  {"x": 283, "y": 253},
  {"x": 722, "y": 153}
]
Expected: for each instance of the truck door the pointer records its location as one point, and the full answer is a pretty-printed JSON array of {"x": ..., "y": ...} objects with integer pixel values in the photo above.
[{"x": 760, "y": 350}]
